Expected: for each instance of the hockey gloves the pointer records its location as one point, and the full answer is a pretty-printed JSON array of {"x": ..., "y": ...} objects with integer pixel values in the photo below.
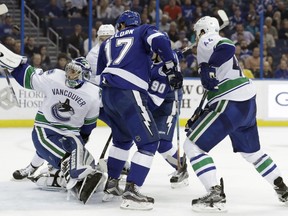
[
  {"x": 174, "y": 76},
  {"x": 198, "y": 112},
  {"x": 208, "y": 77}
]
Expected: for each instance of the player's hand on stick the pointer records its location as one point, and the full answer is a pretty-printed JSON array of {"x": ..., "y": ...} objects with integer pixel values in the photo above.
[
  {"x": 174, "y": 76},
  {"x": 208, "y": 77}
]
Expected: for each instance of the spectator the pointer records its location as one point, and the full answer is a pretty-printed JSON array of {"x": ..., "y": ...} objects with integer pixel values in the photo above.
[
  {"x": 247, "y": 73},
  {"x": 182, "y": 41},
  {"x": 174, "y": 11},
  {"x": 255, "y": 42},
  {"x": 268, "y": 38},
  {"x": 252, "y": 27},
  {"x": 52, "y": 10},
  {"x": 248, "y": 36},
  {"x": 77, "y": 39},
  {"x": 30, "y": 47},
  {"x": 71, "y": 11},
  {"x": 277, "y": 20},
  {"x": 270, "y": 28},
  {"x": 6, "y": 28},
  {"x": 94, "y": 41},
  {"x": 282, "y": 71},
  {"x": 283, "y": 31},
  {"x": 236, "y": 18},
  {"x": 267, "y": 70},
  {"x": 103, "y": 11},
  {"x": 281, "y": 7},
  {"x": 80, "y": 4},
  {"x": 253, "y": 62},
  {"x": 135, "y": 6},
  {"x": 188, "y": 11},
  {"x": 36, "y": 61},
  {"x": 17, "y": 47},
  {"x": 45, "y": 59},
  {"x": 9, "y": 42},
  {"x": 62, "y": 60},
  {"x": 152, "y": 10},
  {"x": 185, "y": 70},
  {"x": 117, "y": 9},
  {"x": 173, "y": 32},
  {"x": 245, "y": 52},
  {"x": 164, "y": 24}
]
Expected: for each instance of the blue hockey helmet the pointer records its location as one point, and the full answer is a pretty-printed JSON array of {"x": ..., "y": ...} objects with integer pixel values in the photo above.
[
  {"x": 128, "y": 18},
  {"x": 77, "y": 71}
]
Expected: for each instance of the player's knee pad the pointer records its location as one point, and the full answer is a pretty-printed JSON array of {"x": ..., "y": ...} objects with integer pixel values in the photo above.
[
  {"x": 164, "y": 146},
  {"x": 253, "y": 157},
  {"x": 191, "y": 149},
  {"x": 149, "y": 148}
]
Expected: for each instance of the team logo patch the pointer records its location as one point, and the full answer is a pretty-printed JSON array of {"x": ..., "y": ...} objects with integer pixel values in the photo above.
[{"x": 63, "y": 111}]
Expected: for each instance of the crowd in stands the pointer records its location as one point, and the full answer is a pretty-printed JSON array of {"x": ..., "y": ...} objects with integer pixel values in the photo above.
[{"x": 70, "y": 19}]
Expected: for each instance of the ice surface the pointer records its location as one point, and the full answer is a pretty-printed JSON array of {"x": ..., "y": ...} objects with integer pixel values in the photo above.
[{"x": 247, "y": 193}]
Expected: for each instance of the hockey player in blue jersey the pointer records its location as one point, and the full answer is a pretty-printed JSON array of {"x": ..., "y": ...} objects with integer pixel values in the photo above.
[
  {"x": 124, "y": 64},
  {"x": 63, "y": 123},
  {"x": 230, "y": 111},
  {"x": 162, "y": 103}
]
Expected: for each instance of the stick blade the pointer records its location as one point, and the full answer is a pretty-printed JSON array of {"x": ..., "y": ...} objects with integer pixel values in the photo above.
[
  {"x": 222, "y": 14},
  {"x": 3, "y": 9}
]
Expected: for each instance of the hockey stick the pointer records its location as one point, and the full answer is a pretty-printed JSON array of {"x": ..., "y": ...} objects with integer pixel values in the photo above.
[
  {"x": 102, "y": 163},
  {"x": 223, "y": 16},
  {"x": 178, "y": 129}
]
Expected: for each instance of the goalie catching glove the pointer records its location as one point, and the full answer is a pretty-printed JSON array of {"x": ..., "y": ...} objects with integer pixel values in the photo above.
[
  {"x": 174, "y": 76},
  {"x": 10, "y": 60},
  {"x": 208, "y": 77}
]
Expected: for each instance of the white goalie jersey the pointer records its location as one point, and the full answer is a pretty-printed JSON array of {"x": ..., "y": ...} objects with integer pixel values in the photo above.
[{"x": 64, "y": 109}]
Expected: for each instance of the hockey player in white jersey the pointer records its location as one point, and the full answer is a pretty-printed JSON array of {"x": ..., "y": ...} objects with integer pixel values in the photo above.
[
  {"x": 64, "y": 121},
  {"x": 230, "y": 111},
  {"x": 105, "y": 31}
]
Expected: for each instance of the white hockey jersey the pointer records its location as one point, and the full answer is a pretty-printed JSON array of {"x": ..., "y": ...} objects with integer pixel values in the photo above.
[
  {"x": 64, "y": 109},
  {"x": 233, "y": 85}
]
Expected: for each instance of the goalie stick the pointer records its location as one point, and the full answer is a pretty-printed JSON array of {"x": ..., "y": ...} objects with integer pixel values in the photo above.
[
  {"x": 101, "y": 162},
  {"x": 224, "y": 18},
  {"x": 15, "y": 100}
]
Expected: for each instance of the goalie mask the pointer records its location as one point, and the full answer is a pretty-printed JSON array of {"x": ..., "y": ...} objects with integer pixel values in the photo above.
[
  {"x": 206, "y": 25},
  {"x": 77, "y": 71}
]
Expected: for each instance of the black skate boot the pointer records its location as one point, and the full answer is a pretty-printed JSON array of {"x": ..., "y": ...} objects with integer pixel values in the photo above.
[
  {"x": 281, "y": 190},
  {"x": 133, "y": 199},
  {"x": 112, "y": 190},
  {"x": 24, "y": 173},
  {"x": 180, "y": 177},
  {"x": 214, "y": 201}
]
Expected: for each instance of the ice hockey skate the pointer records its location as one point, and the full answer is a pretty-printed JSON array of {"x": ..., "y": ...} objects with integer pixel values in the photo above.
[
  {"x": 134, "y": 200},
  {"x": 281, "y": 190},
  {"x": 112, "y": 190},
  {"x": 24, "y": 173},
  {"x": 214, "y": 201},
  {"x": 180, "y": 177}
]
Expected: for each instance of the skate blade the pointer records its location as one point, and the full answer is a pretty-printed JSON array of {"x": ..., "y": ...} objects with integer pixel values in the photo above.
[
  {"x": 181, "y": 184},
  {"x": 218, "y": 207},
  {"x": 132, "y": 205}
]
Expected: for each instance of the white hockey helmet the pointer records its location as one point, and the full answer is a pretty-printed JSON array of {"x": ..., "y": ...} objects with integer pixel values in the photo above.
[
  {"x": 206, "y": 24},
  {"x": 106, "y": 30}
]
